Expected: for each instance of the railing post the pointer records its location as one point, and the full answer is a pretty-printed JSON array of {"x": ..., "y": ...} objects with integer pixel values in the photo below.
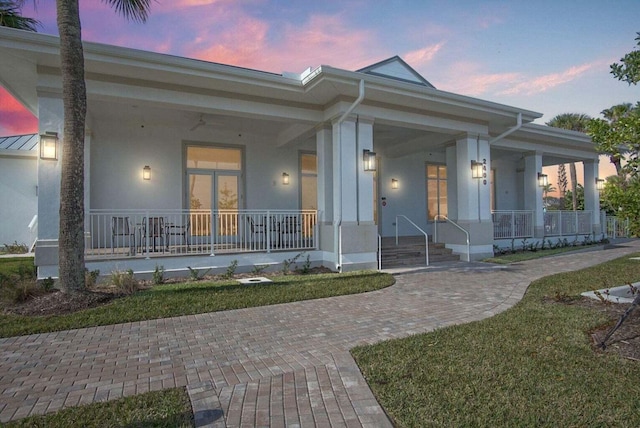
[
  {"x": 513, "y": 224},
  {"x": 267, "y": 228}
]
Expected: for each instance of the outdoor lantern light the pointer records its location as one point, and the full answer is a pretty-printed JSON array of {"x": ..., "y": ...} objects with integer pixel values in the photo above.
[
  {"x": 146, "y": 172},
  {"x": 477, "y": 169},
  {"x": 285, "y": 178},
  {"x": 599, "y": 183},
  {"x": 49, "y": 146},
  {"x": 543, "y": 180},
  {"x": 369, "y": 159},
  {"x": 394, "y": 183}
]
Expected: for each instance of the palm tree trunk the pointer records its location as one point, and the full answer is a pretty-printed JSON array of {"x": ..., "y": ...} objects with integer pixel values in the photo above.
[
  {"x": 71, "y": 238},
  {"x": 574, "y": 185}
]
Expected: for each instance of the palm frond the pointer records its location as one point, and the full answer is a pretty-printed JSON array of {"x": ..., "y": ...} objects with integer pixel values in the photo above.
[{"x": 136, "y": 10}]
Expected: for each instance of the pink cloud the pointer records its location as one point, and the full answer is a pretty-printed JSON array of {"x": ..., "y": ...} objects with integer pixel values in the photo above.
[
  {"x": 422, "y": 56},
  {"x": 16, "y": 120},
  {"x": 255, "y": 44},
  {"x": 549, "y": 81},
  {"x": 466, "y": 78}
]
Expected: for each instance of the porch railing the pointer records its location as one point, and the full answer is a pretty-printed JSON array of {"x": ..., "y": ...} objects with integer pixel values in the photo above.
[
  {"x": 512, "y": 224},
  {"x": 616, "y": 227},
  {"x": 559, "y": 223},
  {"x": 143, "y": 233}
]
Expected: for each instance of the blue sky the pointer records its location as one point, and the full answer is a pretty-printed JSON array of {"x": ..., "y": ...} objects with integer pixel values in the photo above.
[{"x": 547, "y": 56}]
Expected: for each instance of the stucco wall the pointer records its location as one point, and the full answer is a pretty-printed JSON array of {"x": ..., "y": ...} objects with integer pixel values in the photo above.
[
  {"x": 118, "y": 155},
  {"x": 506, "y": 185},
  {"x": 18, "y": 200}
]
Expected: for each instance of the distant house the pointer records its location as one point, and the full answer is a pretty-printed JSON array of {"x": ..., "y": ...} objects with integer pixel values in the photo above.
[
  {"x": 18, "y": 189},
  {"x": 192, "y": 163}
]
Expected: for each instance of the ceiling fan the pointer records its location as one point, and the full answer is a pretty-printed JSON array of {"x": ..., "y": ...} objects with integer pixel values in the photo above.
[{"x": 200, "y": 123}]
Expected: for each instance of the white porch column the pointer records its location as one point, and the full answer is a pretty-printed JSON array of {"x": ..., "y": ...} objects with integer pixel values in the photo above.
[
  {"x": 591, "y": 194},
  {"x": 50, "y": 119},
  {"x": 324, "y": 150},
  {"x": 355, "y": 242},
  {"x": 365, "y": 178},
  {"x": 533, "y": 192},
  {"x": 468, "y": 199}
]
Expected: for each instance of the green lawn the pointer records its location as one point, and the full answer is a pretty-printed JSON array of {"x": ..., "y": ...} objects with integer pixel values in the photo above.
[
  {"x": 169, "y": 408},
  {"x": 164, "y": 301},
  {"x": 532, "y": 365}
]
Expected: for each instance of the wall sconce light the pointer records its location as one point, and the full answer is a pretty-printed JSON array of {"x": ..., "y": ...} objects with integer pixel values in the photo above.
[
  {"x": 543, "y": 180},
  {"x": 146, "y": 172},
  {"x": 394, "y": 183},
  {"x": 369, "y": 160},
  {"x": 477, "y": 169},
  {"x": 285, "y": 178},
  {"x": 49, "y": 146},
  {"x": 599, "y": 183}
]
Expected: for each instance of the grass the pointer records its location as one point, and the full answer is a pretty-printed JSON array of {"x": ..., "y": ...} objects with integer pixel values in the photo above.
[
  {"x": 532, "y": 365},
  {"x": 530, "y": 255},
  {"x": 171, "y": 300},
  {"x": 169, "y": 408}
]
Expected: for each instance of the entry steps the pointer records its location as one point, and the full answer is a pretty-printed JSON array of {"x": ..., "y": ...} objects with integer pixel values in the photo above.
[{"x": 410, "y": 251}]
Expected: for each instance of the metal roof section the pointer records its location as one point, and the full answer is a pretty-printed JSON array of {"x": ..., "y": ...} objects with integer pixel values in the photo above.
[
  {"x": 23, "y": 143},
  {"x": 395, "y": 68}
]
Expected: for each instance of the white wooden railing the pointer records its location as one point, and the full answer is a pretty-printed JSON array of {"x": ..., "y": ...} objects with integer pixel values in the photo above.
[
  {"x": 143, "y": 233},
  {"x": 33, "y": 232}
]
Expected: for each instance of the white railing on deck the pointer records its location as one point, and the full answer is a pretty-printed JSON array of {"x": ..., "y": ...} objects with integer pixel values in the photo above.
[
  {"x": 143, "y": 233},
  {"x": 559, "y": 223},
  {"x": 512, "y": 224}
]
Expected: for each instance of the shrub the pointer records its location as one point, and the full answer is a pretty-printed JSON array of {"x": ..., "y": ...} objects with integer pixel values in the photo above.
[
  {"x": 125, "y": 282},
  {"x": 158, "y": 275},
  {"x": 231, "y": 269},
  {"x": 15, "y": 248},
  {"x": 91, "y": 277}
]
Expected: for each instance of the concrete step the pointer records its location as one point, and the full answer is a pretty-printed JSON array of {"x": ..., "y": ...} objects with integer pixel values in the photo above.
[{"x": 410, "y": 251}]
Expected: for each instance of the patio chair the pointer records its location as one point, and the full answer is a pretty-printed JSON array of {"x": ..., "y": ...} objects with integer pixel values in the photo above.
[
  {"x": 156, "y": 231},
  {"x": 289, "y": 229},
  {"x": 121, "y": 230},
  {"x": 258, "y": 231},
  {"x": 183, "y": 230}
]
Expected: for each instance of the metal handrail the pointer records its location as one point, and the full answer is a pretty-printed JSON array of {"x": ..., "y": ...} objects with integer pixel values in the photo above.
[
  {"x": 379, "y": 252},
  {"x": 33, "y": 231},
  {"x": 435, "y": 231},
  {"x": 426, "y": 237}
]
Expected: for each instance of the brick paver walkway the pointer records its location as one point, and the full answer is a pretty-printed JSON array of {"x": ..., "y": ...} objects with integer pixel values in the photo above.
[{"x": 281, "y": 365}]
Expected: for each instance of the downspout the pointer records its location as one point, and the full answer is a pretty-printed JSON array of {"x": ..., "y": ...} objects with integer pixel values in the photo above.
[
  {"x": 337, "y": 224},
  {"x": 508, "y": 131}
]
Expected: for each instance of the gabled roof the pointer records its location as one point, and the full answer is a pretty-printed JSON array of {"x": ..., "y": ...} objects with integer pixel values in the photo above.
[{"x": 396, "y": 68}]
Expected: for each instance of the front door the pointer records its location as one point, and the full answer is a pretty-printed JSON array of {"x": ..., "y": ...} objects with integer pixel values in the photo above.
[{"x": 214, "y": 192}]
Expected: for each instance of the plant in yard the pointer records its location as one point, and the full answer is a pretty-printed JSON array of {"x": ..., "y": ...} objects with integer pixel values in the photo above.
[
  {"x": 231, "y": 269},
  {"x": 286, "y": 264},
  {"x": 47, "y": 284},
  {"x": 306, "y": 266},
  {"x": 258, "y": 269},
  {"x": 15, "y": 248},
  {"x": 194, "y": 274},
  {"x": 158, "y": 275},
  {"x": 125, "y": 282},
  {"x": 91, "y": 277}
]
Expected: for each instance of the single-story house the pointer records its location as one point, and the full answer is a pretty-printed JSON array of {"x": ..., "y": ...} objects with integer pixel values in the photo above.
[{"x": 199, "y": 164}]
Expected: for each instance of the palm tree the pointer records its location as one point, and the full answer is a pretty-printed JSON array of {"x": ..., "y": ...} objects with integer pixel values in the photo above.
[
  {"x": 613, "y": 114},
  {"x": 74, "y": 97},
  {"x": 10, "y": 16},
  {"x": 546, "y": 189},
  {"x": 573, "y": 122}
]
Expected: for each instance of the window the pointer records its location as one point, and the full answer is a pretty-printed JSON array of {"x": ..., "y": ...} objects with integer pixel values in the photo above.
[{"x": 436, "y": 191}]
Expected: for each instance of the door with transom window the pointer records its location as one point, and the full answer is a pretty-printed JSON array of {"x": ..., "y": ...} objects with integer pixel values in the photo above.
[{"x": 214, "y": 191}]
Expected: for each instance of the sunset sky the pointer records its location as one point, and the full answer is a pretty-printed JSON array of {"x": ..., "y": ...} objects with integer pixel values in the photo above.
[{"x": 548, "y": 56}]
